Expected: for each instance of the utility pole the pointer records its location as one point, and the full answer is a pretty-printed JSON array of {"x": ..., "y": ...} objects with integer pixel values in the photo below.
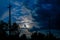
[{"x": 9, "y": 19}]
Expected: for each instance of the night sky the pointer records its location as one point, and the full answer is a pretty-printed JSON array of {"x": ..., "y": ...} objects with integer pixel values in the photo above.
[{"x": 35, "y": 14}]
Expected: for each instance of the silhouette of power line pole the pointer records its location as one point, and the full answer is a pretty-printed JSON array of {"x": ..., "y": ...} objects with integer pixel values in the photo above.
[{"x": 9, "y": 18}]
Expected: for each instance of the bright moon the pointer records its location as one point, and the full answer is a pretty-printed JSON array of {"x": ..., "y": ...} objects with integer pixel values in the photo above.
[{"x": 26, "y": 23}]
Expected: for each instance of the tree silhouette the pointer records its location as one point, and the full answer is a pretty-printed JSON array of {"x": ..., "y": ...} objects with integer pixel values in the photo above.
[
  {"x": 41, "y": 36},
  {"x": 37, "y": 36},
  {"x": 14, "y": 27},
  {"x": 34, "y": 36},
  {"x": 2, "y": 30},
  {"x": 50, "y": 36},
  {"x": 23, "y": 37},
  {"x": 14, "y": 32}
]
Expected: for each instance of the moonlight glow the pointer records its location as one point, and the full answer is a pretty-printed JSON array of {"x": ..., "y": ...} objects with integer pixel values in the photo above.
[
  {"x": 26, "y": 22},
  {"x": 22, "y": 15}
]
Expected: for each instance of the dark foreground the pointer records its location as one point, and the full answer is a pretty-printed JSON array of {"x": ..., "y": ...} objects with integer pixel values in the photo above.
[
  {"x": 34, "y": 36},
  {"x": 14, "y": 28}
]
